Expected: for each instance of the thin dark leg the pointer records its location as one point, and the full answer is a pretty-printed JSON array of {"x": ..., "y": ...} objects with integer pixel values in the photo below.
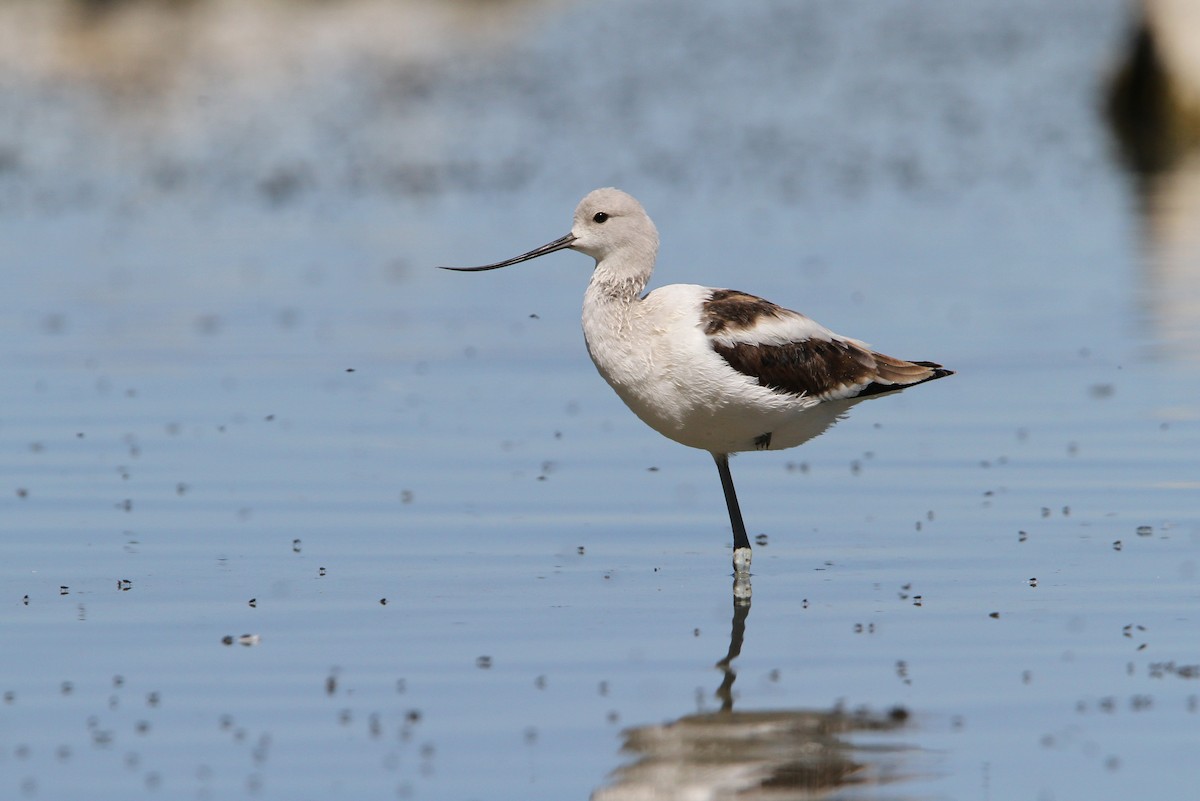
[{"x": 740, "y": 540}]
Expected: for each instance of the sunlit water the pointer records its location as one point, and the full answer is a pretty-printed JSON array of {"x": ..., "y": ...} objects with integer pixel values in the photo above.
[{"x": 238, "y": 400}]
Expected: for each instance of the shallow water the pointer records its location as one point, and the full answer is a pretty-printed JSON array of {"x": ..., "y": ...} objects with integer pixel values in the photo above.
[{"x": 240, "y": 401}]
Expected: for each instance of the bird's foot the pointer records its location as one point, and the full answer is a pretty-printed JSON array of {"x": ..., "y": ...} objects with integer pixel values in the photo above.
[{"x": 741, "y": 561}]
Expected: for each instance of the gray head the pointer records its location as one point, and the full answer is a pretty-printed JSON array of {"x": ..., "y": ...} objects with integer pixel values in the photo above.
[{"x": 608, "y": 223}]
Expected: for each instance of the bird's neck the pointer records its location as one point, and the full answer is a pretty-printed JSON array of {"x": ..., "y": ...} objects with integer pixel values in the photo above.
[
  {"x": 610, "y": 307},
  {"x": 611, "y": 326},
  {"x": 620, "y": 280}
]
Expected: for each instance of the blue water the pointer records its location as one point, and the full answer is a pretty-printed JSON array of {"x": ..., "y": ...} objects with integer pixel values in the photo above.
[{"x": 238, "y": 400}]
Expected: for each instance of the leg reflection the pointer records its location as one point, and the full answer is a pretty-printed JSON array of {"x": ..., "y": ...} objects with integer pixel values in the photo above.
[{"x": 737, "y": 634}]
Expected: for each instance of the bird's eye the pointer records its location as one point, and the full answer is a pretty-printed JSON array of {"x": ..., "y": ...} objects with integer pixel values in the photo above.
[{"x": 599, "y": 217}]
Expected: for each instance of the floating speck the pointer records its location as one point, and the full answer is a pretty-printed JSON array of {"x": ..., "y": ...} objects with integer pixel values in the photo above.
[
  {"x": 994, "y": 615},
  {"x": 1130, "y": 628},
  {"x": 246, "y": 640}
]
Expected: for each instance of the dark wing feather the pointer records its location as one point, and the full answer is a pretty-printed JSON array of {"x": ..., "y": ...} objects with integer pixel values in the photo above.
[
  {"x": 826, "y": 368},
  {"x": 821, "y": 365}
]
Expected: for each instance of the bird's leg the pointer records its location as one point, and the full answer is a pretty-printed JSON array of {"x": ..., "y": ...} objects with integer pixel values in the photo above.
[{"x": 741, "y": 543}]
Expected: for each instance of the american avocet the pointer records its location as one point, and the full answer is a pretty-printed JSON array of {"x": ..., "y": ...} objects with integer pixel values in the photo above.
[{"x": 715, "y": 369}]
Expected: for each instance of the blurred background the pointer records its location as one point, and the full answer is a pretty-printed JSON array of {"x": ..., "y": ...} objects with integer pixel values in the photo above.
[{"x": 239, "y": 400}]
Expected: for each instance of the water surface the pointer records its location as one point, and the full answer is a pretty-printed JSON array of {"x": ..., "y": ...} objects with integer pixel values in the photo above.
[{"x": 238, "y": 400}]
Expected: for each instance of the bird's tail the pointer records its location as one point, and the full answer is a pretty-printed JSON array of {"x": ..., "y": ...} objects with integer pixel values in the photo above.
[{"x": 893, "y": 375}]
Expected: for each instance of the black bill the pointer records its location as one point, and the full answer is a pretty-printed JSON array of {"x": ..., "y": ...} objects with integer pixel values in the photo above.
[{"x": 550, "y": 247}]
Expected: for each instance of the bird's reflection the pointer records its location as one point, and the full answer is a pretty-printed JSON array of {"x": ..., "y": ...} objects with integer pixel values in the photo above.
[{"x": 774, "y": 755}]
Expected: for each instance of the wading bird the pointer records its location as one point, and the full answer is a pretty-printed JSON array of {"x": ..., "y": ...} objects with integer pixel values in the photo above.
[{"x": 714, "y": 369}]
